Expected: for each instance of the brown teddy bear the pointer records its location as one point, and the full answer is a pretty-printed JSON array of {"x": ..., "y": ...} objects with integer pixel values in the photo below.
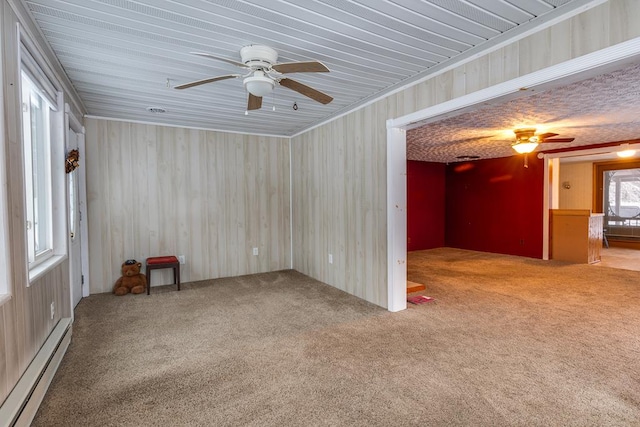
[{"x": 132, "y": 280}]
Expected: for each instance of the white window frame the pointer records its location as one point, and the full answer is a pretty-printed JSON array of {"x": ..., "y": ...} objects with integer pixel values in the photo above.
[
  {"x": 35, "y": 72},
  {"x": 37, "y": 216},
  {"x": 5, "y": 264}
]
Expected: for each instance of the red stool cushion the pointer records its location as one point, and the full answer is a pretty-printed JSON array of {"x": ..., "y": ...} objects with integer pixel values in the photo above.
[{"x": 162, "y": 260}]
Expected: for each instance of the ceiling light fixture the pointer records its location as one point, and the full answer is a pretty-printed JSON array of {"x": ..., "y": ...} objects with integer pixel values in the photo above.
[
  {"x": 625, "y": 151},
  {"x": 258, "y": 84},
  {"x": 526, "y": 141},
  {"x": 524, "y": 147}
]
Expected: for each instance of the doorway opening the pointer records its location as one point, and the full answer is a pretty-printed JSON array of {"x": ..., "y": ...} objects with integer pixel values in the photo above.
[
  {"x": 590, "y": 65},
  {"x": 76, "y": 212},
  {"x": 617, "y": 196}
]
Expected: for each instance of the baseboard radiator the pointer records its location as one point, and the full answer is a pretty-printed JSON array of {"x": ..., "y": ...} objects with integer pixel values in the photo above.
[{"x": 21, "y": 405}]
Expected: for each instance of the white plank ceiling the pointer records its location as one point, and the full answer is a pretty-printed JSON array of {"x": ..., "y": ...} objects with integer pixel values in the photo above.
[{"x": 120, "y": 54}]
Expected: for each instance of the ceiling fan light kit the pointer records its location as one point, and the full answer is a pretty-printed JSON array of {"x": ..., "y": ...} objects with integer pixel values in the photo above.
[
  {"x": 258, "y": 84},
  {"x": 524, "y": 147},
  {"x": 264, "y": 73},
  {"x": 527, "y": 140}
]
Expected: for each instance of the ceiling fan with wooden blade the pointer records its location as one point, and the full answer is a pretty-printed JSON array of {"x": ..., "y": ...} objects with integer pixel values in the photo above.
[
  {"x": 264, "y": 73},
  {"x": 254, "y": 102},
  {"x": 305, "y": 90},
  {"x": 546, "y": 137},
  {"x": 205, "y": 81},
  {"x": 527, "y": 140}
]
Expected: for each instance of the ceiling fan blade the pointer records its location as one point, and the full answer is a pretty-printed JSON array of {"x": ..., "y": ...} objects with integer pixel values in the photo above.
[
  {"x": 254, "y": 102},
  {"x": 301, "y": 67},
  {"x": 544, "y": 136},
  {"x": 205, "y": 81},
  {"x": 305, "y": 90},
  {"x": 228, "y": 61},
  {"x": 558, "y": 140}
]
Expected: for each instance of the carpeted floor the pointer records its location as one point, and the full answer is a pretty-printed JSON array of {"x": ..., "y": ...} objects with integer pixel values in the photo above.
[{"x": 509, "y": 341}]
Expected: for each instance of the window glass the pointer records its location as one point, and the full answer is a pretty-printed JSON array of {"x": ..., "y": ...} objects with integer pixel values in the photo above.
[
  {"x": 622, "y": 202},
  {"x": 37, "y": 169}
]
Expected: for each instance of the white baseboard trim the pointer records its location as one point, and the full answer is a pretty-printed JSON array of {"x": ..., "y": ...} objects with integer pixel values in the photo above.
[{"x": 21, "y": 405}]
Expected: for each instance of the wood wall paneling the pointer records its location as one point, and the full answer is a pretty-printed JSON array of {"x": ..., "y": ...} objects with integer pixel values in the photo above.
[
  {"x": 581, "y": 34},
  {"x": 209, "y": 196},
  {"x": 336, "y": 172},
  {"x": 623, "y": 20},
  {"x": 544, "y": 48},
  {"x": 590, "y": 30},
  {"x": 25, "y": 320},
  {"x": 580, "y": 178},
  {"x": 338, "y": 188}
]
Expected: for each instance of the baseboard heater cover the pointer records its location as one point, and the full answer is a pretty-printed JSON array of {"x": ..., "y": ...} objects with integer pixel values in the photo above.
[{"x": 21, "y": 405}]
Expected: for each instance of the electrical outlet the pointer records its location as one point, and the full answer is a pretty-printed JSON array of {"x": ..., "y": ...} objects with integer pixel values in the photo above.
[
  {"x": 53, "y": 309},
  {"x": 330, "y": 258},
  {"x": 181, "y": 259},
  {"x": 255, "y": 251}
]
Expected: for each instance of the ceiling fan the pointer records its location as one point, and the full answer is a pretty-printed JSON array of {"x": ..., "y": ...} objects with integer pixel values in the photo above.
[
  {"x": 264, "y": 73},
  {"x": 527, "y": 140}
]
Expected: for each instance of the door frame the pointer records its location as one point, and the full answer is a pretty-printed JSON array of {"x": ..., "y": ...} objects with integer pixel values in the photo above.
[
  {"x": 583, "y": 67},
  {"x": 73, "y": 123}
]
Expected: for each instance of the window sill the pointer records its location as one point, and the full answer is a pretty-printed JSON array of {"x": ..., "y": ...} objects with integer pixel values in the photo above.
[
  {"x": 4, "y": 299},
  {"x": 41, "y": 269}
]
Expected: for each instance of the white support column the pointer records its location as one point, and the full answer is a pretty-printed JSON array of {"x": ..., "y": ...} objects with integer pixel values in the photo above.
[
  {"x": 550, "y": 198},
  {"x": 554, "y": 185},
  {"x": 396, "y": 218}
]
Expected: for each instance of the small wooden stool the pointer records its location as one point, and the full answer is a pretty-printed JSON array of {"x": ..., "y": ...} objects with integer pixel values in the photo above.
[{"x": 163, "y": 262}]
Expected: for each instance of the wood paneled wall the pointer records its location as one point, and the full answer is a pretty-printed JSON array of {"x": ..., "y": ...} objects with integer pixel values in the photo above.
[
  {"x": 339, "y": 204},
  {"x": 210, "y": 196},
  {"x": 25, "y": 320},
  {"x": 580, "y": 178},
  {"x": 339, "y": 169}
]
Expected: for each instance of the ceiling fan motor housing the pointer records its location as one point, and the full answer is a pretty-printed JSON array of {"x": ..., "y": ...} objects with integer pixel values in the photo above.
[
  {"x": 525, "y": 135},
  {"x": 258, "y": 56}
]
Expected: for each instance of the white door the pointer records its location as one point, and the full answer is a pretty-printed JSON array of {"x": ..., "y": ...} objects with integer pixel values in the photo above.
[
  {"x": 76, "y": 202},
  {"x": 75, "y": 242}
]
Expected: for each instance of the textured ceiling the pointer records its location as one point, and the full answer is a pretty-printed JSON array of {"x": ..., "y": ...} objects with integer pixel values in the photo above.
[
  {"x": 601, "y": 109},
  {"x": 120, "y": 53}
]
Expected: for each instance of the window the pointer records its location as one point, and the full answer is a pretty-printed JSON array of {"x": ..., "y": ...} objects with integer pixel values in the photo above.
[
  {"x": 618, "y": 197},
  {"x": 36, "y": 128},
  {"x": 45, "y": 223},
  {"x": 622, "y": 202},
  {"x": 5, "y": 264}
]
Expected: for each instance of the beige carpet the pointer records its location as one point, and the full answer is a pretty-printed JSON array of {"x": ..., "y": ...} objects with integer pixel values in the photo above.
[{"x": 509, "y": 341}]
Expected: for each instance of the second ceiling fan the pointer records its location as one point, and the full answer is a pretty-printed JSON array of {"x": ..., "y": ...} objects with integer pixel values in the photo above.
[
  {"x": 264, "y": 73},
  {"x": 527, "y": 140}
]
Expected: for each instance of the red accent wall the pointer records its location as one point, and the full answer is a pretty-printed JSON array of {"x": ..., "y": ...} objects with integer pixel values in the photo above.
[
  {"x": 495, "y": 205},
  {"x": 425, "y": 205}
]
